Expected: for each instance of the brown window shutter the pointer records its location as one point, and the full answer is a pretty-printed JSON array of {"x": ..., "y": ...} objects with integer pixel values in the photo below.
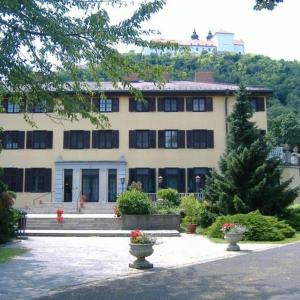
[
  {"x": 180, "y": 104},
  {"x": 260, "y": 104},
  {"x": 151, "y": 104},
  {"x": 189, "y": 104},
  {"x": 152, "y": 136},
  {"x": 132, "y": 176},
  {"x": 95, "y": 139},
  {"x": 181, "y": 138},
  {"x": 162, "y": 173},
  {"x": 29, "y": 139},
  {"x": 115, "y": 138},
  {"x": 160, "y": 104},
  {"x": 5, "y": 104},
  {"x": 161, "y": 139},
  {"x": 131, "y": 104},
  {"x": 152, "y": 174},
  {"x": 19, "y": 180},
  {"x": 115, "y": 104},
  {"x": 47, "y": 174},
  {"x": 96, "y": 104},
  {"x": 131, "y": 139},
  {"x": 181, "y": 188},
  {"x": 210, "y": 139},
  {"x": 49, "y": 139},
  {"x": 209, "y": 104},
  {"x": 28, "y": 180},
  {"x": 189, "y": 139},
  {"x": 87, "y": 138},
  {"x": 191, "y": 180},
  {"x": 21, "y": 139},
  {"x": 66, "y": 139}
]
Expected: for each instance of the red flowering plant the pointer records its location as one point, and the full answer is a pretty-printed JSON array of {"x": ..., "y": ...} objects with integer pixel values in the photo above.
[
  {"x": 117, "y": 212},
  {"x": 59, "y": 217},
  {"x": 233, "y": 228},
  {"x": 139, "y": 237}
]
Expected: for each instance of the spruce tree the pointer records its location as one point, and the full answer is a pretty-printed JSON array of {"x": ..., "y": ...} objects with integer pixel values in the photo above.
[{"x": 248, "y": 178}]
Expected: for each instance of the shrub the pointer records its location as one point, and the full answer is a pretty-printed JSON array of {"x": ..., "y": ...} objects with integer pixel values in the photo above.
[
  {"x": 291, "y": 216},
  {"x": 164, "y": 207},
  {"x": 168, "y": 194},
  {"x": 135, "y": 185},
  {"x": 134, "y": 203},
  {"x": 260, "y": 228},
  {"x": 206, "y": 216},
  {"x": 190, "y": 207}
]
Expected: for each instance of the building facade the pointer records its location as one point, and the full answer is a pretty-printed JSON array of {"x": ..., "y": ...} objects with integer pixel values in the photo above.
[
  {"x": 177, "y": 135},
  {"x": 219, "y": 42}
]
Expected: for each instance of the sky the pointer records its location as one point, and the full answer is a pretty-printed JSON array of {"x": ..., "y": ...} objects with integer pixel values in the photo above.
[{"x": 271, "y": 33}]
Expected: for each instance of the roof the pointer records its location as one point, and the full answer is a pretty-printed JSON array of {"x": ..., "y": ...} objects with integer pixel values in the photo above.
[
  {"x": 238, "y": 42},
  {"x": 172, "y": 86}
]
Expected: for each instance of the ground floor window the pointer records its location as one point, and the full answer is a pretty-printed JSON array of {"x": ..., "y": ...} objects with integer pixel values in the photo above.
[
  {"x": 13, "y": 178},
  {"x": 90, "y": 184},
  {"x": 196, "y": 179},
  {"x": 145, "y": 176},
  {"x": 38, "y": 180},
  {"x": 173, "y": 178}
]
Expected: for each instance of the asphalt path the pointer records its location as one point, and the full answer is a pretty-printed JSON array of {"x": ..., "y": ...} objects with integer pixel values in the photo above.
[{"x": 270, "y": 274}]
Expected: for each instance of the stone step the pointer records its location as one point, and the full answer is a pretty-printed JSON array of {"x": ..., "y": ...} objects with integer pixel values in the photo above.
[{"x": 100, "y": 233}]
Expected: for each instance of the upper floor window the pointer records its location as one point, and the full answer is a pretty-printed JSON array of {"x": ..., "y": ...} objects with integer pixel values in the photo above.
[
  {"x": 39, "y": 139},
  {"x": 171, "y": 139},
  {"x": 258, "y": 103},
  {"x": 200, "y": 139},
  {"x": 171, "y": 104},
  {"x": 199, "y": 104},
  {"x": 38, "y": 180},
  {"x": 148, "y": 104},
  {"x": 13, "y": 139},
  {"x": 77, "y": 139},
  {"x": 41, "y": 107},
  {"x": 142, "y": 139},
  {"x": 13, "y": 178},
  {"x": 107, "y": 105},
  {"x": 105, "y": 139},
  {"x": 13, "y": 107}
]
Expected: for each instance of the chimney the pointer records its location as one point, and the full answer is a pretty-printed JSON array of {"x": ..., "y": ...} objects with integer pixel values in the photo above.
[
  {"x": 132, "y": 77},
  {"x": 165, "y": 76},
  {"x": 206, "y": 77}
]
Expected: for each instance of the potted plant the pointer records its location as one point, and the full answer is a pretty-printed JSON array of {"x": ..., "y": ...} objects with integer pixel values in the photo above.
[
  {"x": 117, "y": 212},
  {"x": 59, "y": 217},
  {"x": 141, "y": 246},
  {"x": 190, "y": 207},
  {"x": 233, "y": 233}
]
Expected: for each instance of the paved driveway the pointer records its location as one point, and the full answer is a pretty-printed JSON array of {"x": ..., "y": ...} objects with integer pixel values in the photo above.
[{"x": 58, "y": 262}]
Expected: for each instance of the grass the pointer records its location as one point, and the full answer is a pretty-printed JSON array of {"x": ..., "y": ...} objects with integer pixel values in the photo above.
[{"x": 8, "y": 253}]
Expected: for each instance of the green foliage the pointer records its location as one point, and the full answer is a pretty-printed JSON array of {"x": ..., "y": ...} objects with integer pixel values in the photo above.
[
  {"x": 266, "y": 4},
  {"x": 259, "y": 227},
  {"x": 247, "y": 179},
  {"x": 291, "y": 215},
  {"x": 8, "y": 222},
  {"x": 168, "y": 194},
  {"x": 135, "y": 186},
  {"x": 134, "y": 203},
  {"x": 164, "y": 207},
  {"x": 190, "y": 207},
  {"x": 205, "y": 214}
]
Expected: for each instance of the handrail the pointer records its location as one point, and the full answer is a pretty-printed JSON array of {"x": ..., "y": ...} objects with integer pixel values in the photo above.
[{"x": 41, "y": 196}]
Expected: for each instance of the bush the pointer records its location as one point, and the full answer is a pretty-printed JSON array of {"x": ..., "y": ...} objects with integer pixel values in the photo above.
[
  {"x": 168, "y": 194},
  {"x": 164, "y": 207},
  {"x": 135, "y": 185},
  {"x": 260, "y": 228},
  {"x": 206, "y": 216},
  {"x": 190, "y": 207},
  {"x": 134, "y": 202},
  {"x": 291, "y": 216}
]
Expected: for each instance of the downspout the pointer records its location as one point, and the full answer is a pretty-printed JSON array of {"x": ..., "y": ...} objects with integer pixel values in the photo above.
[{"x": 226, "y": 110}]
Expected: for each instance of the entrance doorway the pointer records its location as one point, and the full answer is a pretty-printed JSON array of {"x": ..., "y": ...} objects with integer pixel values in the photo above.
[
  {"x": 90, "y": 184},
  {"x": 68, "y": 185}
]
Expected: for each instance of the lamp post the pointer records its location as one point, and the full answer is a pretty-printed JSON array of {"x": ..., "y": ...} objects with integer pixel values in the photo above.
[
  {"x": 198, "y": 179},
  {"x": 160, "y": 180},
  {"x": 122, "y": 179}
]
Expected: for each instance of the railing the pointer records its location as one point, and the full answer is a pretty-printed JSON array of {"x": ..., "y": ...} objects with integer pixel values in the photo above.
[
  {"x": 199, "y": 196},
  {"x": 40, "y": 197},
  {"x": 287, "y": 158}
]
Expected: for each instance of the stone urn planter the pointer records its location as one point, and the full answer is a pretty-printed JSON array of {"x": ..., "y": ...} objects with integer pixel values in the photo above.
[
  {"x": 233, "y": 239},
  {"x": 140, "y": 251}
]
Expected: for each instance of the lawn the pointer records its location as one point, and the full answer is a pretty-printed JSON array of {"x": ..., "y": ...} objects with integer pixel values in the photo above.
[{"x": 8, "y": 253}]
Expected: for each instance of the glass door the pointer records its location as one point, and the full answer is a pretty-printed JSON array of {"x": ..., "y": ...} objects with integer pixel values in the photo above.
[
  {"x": 68, "y": 185},
  {"x": 90, "y": 184},
  {"x": 112, "y": 185}
]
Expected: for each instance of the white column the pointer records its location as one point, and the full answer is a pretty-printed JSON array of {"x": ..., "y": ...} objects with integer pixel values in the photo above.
[
  {"x": 59, "y": 181},
  {"x": 76, "y": 185},
  {"x": 103, "y": 181}
]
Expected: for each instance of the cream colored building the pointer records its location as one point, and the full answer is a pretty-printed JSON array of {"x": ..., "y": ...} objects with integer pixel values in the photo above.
[{"x": 179, "y": 135}]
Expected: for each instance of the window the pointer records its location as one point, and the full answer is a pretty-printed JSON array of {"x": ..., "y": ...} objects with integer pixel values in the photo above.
[
  {"x": 171, "y": 104},
  {"x": 13, "y": 178},
  {"x": 105, "y": 139},
  {"x": 173, "y": 178},
  {"x": 142, "y": 139},
  {"x": 258, "y": 104},
  {"x": 142, "y": 106},
  {"x": 12, "y": 139},
  {"x": 40, "y": 107},
  {"x": 39, "y": 139},
  {"x": 171, "y": 139},
  {"x": 38, "y": 180},
  {"x": 112, "y": 185},
  {"x": 200, "y": 139},
  {"x": 76, "y": 139},
  {"x": 145, "y": 176},
  {"x": 199, "y": 104},
  {"x": 68, "y": 185},
  {"x": 13, "y": 107},
  {"x": 105, "y": 105},
  {"x": 193, "y": 185}
]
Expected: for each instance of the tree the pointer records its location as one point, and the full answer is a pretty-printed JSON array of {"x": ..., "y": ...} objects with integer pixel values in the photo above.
[
  {"x": 266, "y": 4},
  {"x": 248, "y": 179},
  {"x": 41, "y": 38}
]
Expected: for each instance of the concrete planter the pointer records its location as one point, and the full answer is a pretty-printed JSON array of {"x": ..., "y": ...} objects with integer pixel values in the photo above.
[
  {"x": 233, "y": 238},
  {"x": 140, "y": 251},
  {"x": 151, "y": 222}
]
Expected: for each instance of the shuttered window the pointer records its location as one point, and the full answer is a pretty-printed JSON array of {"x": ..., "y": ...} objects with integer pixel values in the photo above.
[
  {"x": 142, "y": 139},
  {"x": 76, "y": 139},
  {"x": 173, "y": 178},
  {"x": 258, "y": 103},
  {"x": 39, "y": 139},
  {"x": 12, "y": 139},
  {"x": 13, "y": 178},
  {"x": 145, "y": 176},
  {"x": 12, "y": 107},
  {"x": 199, "y": 104},
  {"x": 105, "y": 139},
  {"x": 193, "y": 185},
  {"x": 41, "y": 107},
  {"x": 109, "y": 104},
  {"x": 38, "y": 180},
  {"x": 147, "y": 105},
  {"x": 171, "y": 139},
  {"x": 171, "y": 104},
  {"x": 200, "y": 139}
]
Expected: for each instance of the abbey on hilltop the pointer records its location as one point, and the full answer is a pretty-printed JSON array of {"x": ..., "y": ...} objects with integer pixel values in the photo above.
[{"x": 220, "y": 41}]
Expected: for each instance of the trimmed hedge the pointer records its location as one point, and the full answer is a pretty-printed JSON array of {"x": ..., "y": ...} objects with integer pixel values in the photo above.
[
  {"x": 260, "y": 228},
  {"x": 134, "y": 202}
]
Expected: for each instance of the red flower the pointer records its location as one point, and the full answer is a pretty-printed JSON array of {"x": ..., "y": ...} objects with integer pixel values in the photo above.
[
  {"x": 59, "y": 219},
  {"x": 135, "y": 233},
  {"x": 59, "y": 211}
]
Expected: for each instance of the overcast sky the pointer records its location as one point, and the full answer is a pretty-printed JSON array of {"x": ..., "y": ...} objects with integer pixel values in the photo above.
[{"x": 272, "y": 33}]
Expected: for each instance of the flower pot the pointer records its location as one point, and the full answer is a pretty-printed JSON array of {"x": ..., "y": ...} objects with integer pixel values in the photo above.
[
  {"x": 233, "y": 238},
  {"x": 191, "y": 228},
  {"x": 140, "y": 251}
]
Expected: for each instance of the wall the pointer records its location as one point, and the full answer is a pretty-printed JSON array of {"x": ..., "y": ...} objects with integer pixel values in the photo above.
[{"x": 294, "y": 172}]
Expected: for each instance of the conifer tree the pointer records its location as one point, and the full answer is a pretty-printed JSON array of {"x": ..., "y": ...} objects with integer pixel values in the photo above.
[{"x": 247, "y": 179}]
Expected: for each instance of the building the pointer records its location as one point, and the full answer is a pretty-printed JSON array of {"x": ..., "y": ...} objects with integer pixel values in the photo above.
[
  {"x": 220, "y": 42},
  {"x": 173, "y": 139}
]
